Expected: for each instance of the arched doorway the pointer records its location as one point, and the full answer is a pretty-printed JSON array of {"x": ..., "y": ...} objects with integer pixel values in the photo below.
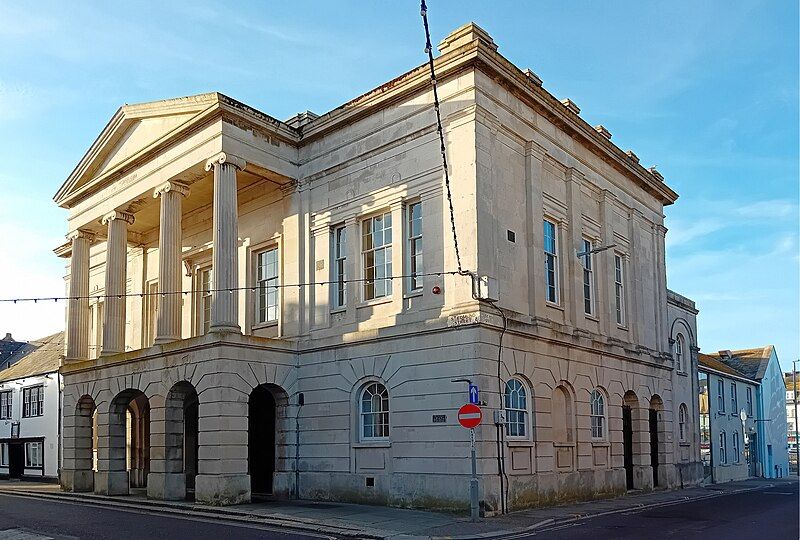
[
  {"x": 630, "y": 401},
  {"x": 129, "y": 436},
  {"x": 84, "y": 445},
  {"x": 262, "y": 419},
  {"x": 655, "y": 411},
  {"x": 181, "y": 441}
]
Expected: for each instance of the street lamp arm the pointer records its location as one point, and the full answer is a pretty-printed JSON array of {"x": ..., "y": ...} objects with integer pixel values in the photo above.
[{"x": 595, "y": 250}]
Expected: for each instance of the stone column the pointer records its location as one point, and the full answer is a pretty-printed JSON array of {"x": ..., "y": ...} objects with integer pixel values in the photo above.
[
  {"x": 224, "y": 304},
  {"x": 168, "y": 326},
  {"x": 78, "y": 307},
  {"x": 116, "y": 277}
]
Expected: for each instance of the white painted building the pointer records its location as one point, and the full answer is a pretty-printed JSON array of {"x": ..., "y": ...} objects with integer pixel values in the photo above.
[
  {"x": 266, "y": 306},
  {"x": 30, "y": 410}
]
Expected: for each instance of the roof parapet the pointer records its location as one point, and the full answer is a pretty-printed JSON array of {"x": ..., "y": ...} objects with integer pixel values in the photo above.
[
  {"x": 633, "y": 156},
  {"x": 532, "y": 77},
  {"x": 466, "y": 34},
  {"x": 569, "y": 104},
  {"x": 601, "y": 129},
  {"x": 657, "y": 175},
  {"x": 301, "y": 119}
]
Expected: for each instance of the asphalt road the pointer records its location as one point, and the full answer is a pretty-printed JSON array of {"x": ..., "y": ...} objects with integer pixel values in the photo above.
[
  {"x": 35, "y": 519},
  {"x": 770, "y": 514}
]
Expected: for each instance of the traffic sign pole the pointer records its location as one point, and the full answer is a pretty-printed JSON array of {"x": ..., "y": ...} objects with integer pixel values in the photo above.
[{"x": 473, "y": 482}]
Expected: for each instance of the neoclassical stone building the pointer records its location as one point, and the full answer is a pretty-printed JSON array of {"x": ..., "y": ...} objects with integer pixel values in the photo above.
[{"x": 271, "y": 307}]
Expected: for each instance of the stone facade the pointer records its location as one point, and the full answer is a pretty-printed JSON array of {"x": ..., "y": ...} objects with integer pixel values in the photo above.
[{"x": 229, "y": 385}]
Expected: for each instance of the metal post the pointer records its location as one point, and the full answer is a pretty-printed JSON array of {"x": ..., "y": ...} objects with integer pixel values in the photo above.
[
  {"x": 473, "y": 483},
  {"x": 796, "y": 419}
]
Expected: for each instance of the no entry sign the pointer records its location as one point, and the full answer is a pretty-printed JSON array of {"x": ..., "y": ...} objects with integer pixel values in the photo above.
[{"x": 469, "y": 415}]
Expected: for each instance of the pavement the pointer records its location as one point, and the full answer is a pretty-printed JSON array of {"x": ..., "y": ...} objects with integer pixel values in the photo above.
[{"x": 298, "y": 519}]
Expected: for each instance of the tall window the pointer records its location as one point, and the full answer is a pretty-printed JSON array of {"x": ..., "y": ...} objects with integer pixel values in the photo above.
[
  {"x": 679, "y": 352},
  {"x": 414, "y": 232},
  {"x": 682, "y": 422},
  {"x": 619, "y": 289},
  {"x": 734, "y": 400},
  {"x": 5, "y": 405},
  {"x": 588, "y": 278},
  {"x": 551, "y": 261},
  {"x": 267, "y": 281},
  {"x": 339, "y": 256},
  {"x": 376, "y": 251},
  {"x": 750, "y": 401},
  {"x": 736, "y": 447},
  {"x": 204, "y": 311},
  {"x": 723, "y": 448},
  {"x": 598, "y": 414},
  {"x": 721, "y": 395},
  {"x": 3, "y": 454},
  {"x": 516, "y": 405},
  {"x": 33, "y": 454},
  {"x": 33, "y": 401},
  {"x": 374, "y": 412}
]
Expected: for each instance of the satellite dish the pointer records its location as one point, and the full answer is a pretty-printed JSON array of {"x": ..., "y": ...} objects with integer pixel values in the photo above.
[{"x": 743, "y": 415}]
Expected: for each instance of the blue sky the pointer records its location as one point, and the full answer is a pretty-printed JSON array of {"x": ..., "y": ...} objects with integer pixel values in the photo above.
[{"x": 707, "y": 91}]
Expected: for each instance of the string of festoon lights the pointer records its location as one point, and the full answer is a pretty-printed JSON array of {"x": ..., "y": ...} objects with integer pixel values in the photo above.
[{"x": 230, "y": 290}]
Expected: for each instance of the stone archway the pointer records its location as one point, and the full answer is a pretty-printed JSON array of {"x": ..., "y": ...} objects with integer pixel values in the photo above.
[
  {"x": 173, "y": 477},
  {"x": 80, "y": 447},
  {"x": 127, "y": 461},
  {"x": 264, "y": 415},
  {"x": 630, "y": 401},
  {"x": 656, "y": 437}
]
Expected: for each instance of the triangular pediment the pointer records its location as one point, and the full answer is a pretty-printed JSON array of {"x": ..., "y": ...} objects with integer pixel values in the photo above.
[{"x": 132, "y": 130}]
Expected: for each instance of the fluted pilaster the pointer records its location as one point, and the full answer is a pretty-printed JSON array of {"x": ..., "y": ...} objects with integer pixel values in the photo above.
[
  {"x": 116, "y": 276},
  {"x": 224, "y": 304},
  {"x": 78, "y": 308},
  {"x": 168, "y": 326}
]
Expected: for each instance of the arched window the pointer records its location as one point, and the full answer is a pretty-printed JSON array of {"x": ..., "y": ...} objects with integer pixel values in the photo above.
[
  {"x": 598, "y": 414},
  {"x": 516, "y": 405},
  {"x": 679, "y": 351},
  {"x": 374, "y": 405},
  {"x": 561, "y": 410},
  {"x": 682, "y": 422}
]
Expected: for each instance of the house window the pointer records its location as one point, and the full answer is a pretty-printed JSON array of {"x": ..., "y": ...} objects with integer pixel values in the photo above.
[
  {"x": 33, "y": 401},
  {"x": 551, "y": 261},
  {"x": 679, "y": 352},
  {"x": 749, "y": 398},
  {"x": 682, "y": 422},
  {"x": 266, "y": 282},
  {"x": 414, "y": 231},
  {"x": 734, "y": 401},
  {"x": 588, "y": 278},
  {"x": 721, "y": 395},
  {"x": 206, "y": 280},
  {"x": 736, "y": 447},
  {"x": 374, "y": 405},
  {"x": 619, "y": 289},
  {"x": 339, "y": 255},
  {"x": 6, "y": 399},
  {"x": 516, "y": 406},
  {"x": 598, "y": 414},
  {"x": 33, "y": 454},
  {"x": 376, "y": 251},
  {"x": 723, "y": 449},
  {"x": 3, "y": 454}
]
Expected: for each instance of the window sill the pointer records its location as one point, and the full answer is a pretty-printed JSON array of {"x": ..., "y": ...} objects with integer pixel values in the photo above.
[
  {"x": 591, "y": 317},
  {"x": 374, "y": 302},
  {"x": 373, "y": 444},
  {"x": 601, "y": 444},
  {"x": 554, "y": 305},
  {"x": 682, "y": 373},
  {"x": 268, "y": 324},
  {"x": 622, "y": 327},
  {"x": 341, "y": 309},
  {"x": 413, "y": 294},
  {"x": 684, "y": 443},
  {"x": 519, "y": 443},
  {"x": 564, "y": 444}
]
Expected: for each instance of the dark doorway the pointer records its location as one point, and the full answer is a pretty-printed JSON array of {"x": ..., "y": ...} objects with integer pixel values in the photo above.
[
  {"x": 627, "y": 443},
  {"x": 16, "y": 460},
  {"x": 654, "y": 445},
  {"x": 261, "y": 440},
  {"x": 752, "y": 458},
  {"x": 190, "y": 439}
]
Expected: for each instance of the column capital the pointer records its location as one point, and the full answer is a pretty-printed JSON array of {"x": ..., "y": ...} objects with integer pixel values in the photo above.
[
  {"x": 116, "y": 214},
  {"x": 224, "y": 157},
  {"x": 83, "y": 234},
  {"x": 171, "y": 185}
]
